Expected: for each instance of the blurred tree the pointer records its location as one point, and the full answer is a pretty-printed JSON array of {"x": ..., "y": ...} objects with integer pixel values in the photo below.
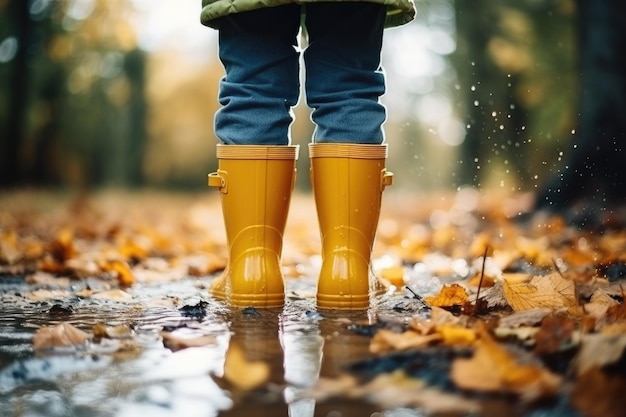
[
  {"x": 594, "y": 164},
  {"x": 75, "y": 95},
  {"x": 515, "y": 65},
  {"x": 16, "y": 17}
]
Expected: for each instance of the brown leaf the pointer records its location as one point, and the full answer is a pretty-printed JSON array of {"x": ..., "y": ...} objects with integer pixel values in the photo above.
[
  {"x": 9, "y": 251},
  {"x": 524, "y": 318},
  {"x": 599, "y": 304},
  {"x": 114, "y": 295},
  {"x": 493, "y": 369},
  {"x": 553, "y": 334},
  {"x": 176, "y": 342},
  {"x": 44, "y": 278},
  {"x": 62, "y": 248},
  {"x": 101, "y": 330},
  {"x": 598, "y": 394},
  {"x": 598, "y": 350},
  {"x": 44, "y": 295},
  {"x": 616, "y": 313},
  {"x": 386, "y": 340},
  {"x": 61, "y": 335}
]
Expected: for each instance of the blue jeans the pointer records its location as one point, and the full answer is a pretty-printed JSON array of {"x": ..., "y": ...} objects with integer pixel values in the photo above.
[{"x": 344, "y": 80}]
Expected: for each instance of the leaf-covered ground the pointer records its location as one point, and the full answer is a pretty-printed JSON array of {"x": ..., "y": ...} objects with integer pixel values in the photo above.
[{"x": 492, "y": 310}]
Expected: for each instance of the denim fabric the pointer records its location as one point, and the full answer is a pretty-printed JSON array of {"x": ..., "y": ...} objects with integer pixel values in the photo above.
[{"x": 344, "y": 80}]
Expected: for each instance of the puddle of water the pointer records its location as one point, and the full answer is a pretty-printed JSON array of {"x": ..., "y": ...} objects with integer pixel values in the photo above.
[{"x": 298, "y": 343}]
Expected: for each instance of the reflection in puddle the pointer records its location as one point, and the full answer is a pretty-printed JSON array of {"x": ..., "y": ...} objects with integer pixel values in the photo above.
[{"x": 297, "y": 343}]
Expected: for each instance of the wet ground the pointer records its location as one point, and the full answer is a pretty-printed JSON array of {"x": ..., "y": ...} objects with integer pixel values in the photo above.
[
  {"x": 148, "y": 377},
  {"x": 298, "y": 344},
  {"x": 147, "y": 368}
]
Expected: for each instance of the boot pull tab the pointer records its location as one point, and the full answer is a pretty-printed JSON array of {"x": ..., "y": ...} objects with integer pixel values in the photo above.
[
  {"x": 219, "y": 179},
  {"x": 386, "y": 178}
]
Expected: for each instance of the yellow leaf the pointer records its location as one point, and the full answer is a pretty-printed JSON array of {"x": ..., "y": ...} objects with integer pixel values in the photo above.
[
  {"x": 121, "y": 270},
  {"x": 450, "y": 295},
  {"x": 457, "y": 335},
  {"x": 549, "y": 291},
  {"x": 9, "y": 251}
]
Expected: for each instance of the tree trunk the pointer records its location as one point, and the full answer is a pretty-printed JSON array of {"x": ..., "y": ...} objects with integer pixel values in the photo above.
[
  {"x": 10, "y": 174},
  {"x": 594, "y": 169}
]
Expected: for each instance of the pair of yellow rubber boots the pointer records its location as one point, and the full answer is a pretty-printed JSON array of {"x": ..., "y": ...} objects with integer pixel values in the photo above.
[{"x": 256, "y": 183}]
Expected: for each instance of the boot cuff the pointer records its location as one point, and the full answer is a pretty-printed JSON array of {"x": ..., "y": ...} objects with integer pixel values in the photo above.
[
  {"x": 257, "y": 152},
  {"x": 347, "y": 150}
]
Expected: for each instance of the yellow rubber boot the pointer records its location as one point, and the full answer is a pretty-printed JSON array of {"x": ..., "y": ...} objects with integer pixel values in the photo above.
[
  {"x": 348, "y": 181},
  {"x": 256, "y": 183}
]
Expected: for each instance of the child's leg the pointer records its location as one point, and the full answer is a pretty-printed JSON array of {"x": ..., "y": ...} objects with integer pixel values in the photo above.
[
  {"x": 343, "y": 86},
  {"x": 261, "y": 85},
  {"x": 344, "y": 80}
]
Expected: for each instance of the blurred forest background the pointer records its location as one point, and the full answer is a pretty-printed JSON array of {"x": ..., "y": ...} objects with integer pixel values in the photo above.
[{"x": 100, "y": 93}]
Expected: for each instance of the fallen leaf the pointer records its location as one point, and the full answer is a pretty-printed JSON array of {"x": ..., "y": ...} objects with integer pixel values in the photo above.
[
  {"x": 61, "y": 335},
  {"x": 616, "y": 313},
  {"x": 493, "y": 369},
  {"x": 524, "y": 334},
  {"x": 494, "y": 296},
  {"x": 599, "y": 394},
  {"x": 554, "y": 333},
  {"x": 524, "y": 318},
  {"x": 549, "y": 291},
  {"x": 598, "y": 350},
  {"x": 9, "y": 251},
  {"x": 45, "y": 278},
  {"x": 449, "y": 296},
  {"x": 599, "y": 304},
  {"x": 121, "y": 270},
  {"x": 241, "y": 373},
  {"x": 176, "y": 342},
  {"x": 45, "y": 295},
  {"x": 131, "y": 249},
  {"x": 121, "y": 331},
  {"x": 440, "y": 317},
  {"x": 62, "y": 248},
  {"x": 386, "y": 340},
  {"x": 113, "y": 295},
  {"x": 456, "y": 335}
]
